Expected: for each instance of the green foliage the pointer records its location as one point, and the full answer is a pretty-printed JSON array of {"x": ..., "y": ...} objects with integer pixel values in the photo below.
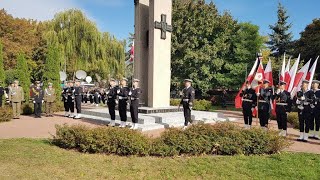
[
  {"x": 27, "y": 108},
  {"x": 52, "y": 67},
  {"x": 202, "y": 105},
  {"x": 293, "y": 119},
  {"x": 175, "y": 102},
  {"x": 2, "y": 73},
  {"x": 221, "y": 138},
  {"x": 58, "y": 106},
  {"x": 6, "y": 114},
  {"x": 210, "y": 48},
  {"x": 280, "y": 38},
  {"x": 23, "y": 75},
  {"x": 11, "y": 75}
]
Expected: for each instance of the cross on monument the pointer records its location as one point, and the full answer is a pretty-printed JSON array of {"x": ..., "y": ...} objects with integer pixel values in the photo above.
[{"x": 163, "y": 26}]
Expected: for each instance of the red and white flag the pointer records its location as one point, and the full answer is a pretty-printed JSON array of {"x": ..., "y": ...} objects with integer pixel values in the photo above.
[
  {"x": 268, "y": 73},
  {"x": 238, "y": 101},
  {"x": 293, "y": 72},
  {"x": 131, "y": 59},
  {"x": 300, "y": 76},
  {"x": 283, "y": 68},
  {"x": 287, "y": 74},
  {"x": 311, "y": 73}
]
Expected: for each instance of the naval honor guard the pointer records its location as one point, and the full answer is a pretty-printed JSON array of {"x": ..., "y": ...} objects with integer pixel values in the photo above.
[
  {"x": 188, "y": 96},
  {"x": 134, "y": 93},
  {"x": 78, "y": 98},
  {"x": 283, "y": 106},
  {"x": 249, "y": 101},
  {"x": 264, "y": 98},
  {"x": 123, "y": 94},
  {"x": 111, "y": 98},
  {"x": 315, "y": 120}
]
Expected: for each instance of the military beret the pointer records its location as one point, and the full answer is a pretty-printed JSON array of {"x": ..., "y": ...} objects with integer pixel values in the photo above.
[
  {"x": 188, "y": 80},
  {"x": 266, "y": 81},
  {"x": 112, "y": 79},
  {"x": 49, "y": 84},
  {"x": 124, "y": 79},
  {"x": 316, "y": 81},
  {"x": 305, "y": 81},
  {"x": 282, "y": 83},
  {"x": 136, "y": 80}
]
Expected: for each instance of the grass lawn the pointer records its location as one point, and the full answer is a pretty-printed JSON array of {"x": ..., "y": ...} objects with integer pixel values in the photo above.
[{"x": 37, "y": 159}]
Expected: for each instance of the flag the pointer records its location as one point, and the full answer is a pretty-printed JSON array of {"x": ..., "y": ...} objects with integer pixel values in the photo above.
[
  {"x": 283, "y": 68},
  {"x": 238, "y": 101},
  {"x": 300, "y": 76},
  {"x": 293, "y": 72},
  {"x": 286, "y": 74},
  {"x": 311, "y": 73},
  {"x": 131, "y": 55},
  {"x": 268, "y": 76},
  {"x": 258, "y": 77}
]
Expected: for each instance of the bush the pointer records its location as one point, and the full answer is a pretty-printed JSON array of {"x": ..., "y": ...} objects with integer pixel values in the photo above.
[
  {"x": 58, "y": 106},
  {"x": 27, "y": 108},
  {"x": 6, "y": 114},
  {"x": 202, "y": 105},
  {"x": 218, "y": 139},
  {"x": 293, "y": 119},
  {"x": 175, "y": 102}
]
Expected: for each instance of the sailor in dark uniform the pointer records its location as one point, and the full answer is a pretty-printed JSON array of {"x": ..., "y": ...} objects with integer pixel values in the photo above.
[
  {"x": 283, "y": 106},
  {"x": 111, "y": 96},
  {"x": 188, "y": 96},
  {"x": 123, "y": 94},
  {"x": 305, "y": 104},
  {"x": 134, "y": 94},
  {"x": 37, "y": 96},
  {"x": 70, "y": 99},
  {"x": 316, "y": 111},
  {"x": 65, "y": 99},
  {"x": 1, "y": 93},
  {"x": 78, "y": 98},
  {"x": 264, "y": 95},
  {"x": 249, "y": 100}
]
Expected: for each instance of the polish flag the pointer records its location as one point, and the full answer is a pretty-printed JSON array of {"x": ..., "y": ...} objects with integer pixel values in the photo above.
[
  {"x": 283, "y": 68},
  {"x": 311, "y": 73},
  {"x": 131, "y": 55},
  {"x": 238, "y": 100},
  {"x": 293, "y": 72},
  {"x": 300, "y": 76},
  {"x": 268, "y": 73},
  {"x": 259, "y": 77},
  {"x": 286, "y": 74}
]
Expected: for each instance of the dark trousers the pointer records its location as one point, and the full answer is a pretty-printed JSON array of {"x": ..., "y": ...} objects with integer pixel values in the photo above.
[
  {"x": 264, "y": 114},
  {"x": 70, "y": 105},
  {"x": 65, "y": 104},
  {"x": 37, "y": 109},
  {"x": 78, "y": 104},
  {"x": 112, "y": 106},
  {"x": 305, "y": 116},
  {"x": 247, "y": 113},
  {"x": 96, "y": 99},
  {"x": 0, "y": 100},
  {"x": 91, "y": 99},
  {"x": 281, "y": 117},
  {"x": 134, "y": 110},
  {"x": 123, "y": 110},
  {"x": 186, "y": 113},
  {"x": 315, "y": 120}
]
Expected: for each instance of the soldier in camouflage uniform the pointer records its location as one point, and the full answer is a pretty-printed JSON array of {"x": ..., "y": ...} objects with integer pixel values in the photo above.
[{"x": 16, "y": 96}]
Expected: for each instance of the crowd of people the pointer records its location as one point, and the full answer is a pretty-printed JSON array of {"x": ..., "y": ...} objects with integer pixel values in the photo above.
[{"x": 306, "y": 101}]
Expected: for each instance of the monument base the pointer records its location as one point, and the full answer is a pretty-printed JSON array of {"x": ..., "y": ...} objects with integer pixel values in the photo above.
[{"x": 150, "y": 110}]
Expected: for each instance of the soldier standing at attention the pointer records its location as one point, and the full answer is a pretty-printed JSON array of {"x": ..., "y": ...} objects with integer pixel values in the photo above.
[
  {"x": 305, "y": 104},
  {"x": 249, "y": 99},
  {"x": 78, "y": 98},
  {"x": 264, "y": 96},
  {"x": 49, "y": 98},
  {"x": 283, "y": 106},
  {"x": 316, "y": 111},
  {"x": 134, "y": 94},
  {"x": 16, "y": 96},
  {"x": 188, "y": 95},
  {"x": 111, "y": 100},
  {"x": 37, "y": 95},
  {"x": 1, "y": 93},
  {"x": 70, "y": 99},
  {"x": 123, "y": 93}
]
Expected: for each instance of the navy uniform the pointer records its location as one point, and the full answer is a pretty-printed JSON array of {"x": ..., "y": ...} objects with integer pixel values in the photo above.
[
  {"x": 64, "y": 98},
  {"x": 78, "y": 91},
  {"x": 70, "y": 99},
  {"x": 249, "y": 100},
  {"x": 38, "y": 98},
  {"x": 283, "y": 105},
  {"x": 111, "y": 98},
  {"x": 1, "y": 94},
  {"x": 305, "y": 104},
  {"x": 315, "y": 121},
  {"x": 188, "y": 96},
  {"x": 135, "y": 94},
  {"x": 123, "y": 94},
  {"x": 264, "y": 98}
]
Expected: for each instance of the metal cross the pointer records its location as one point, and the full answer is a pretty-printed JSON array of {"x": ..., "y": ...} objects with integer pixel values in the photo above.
[{"x": 163, "y": 26}]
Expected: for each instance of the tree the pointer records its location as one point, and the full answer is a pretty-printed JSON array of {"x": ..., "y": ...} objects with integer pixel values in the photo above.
[
  {"x": 2, "y": 73},
  {"x": 23, "y": 75},
  {"x": 52, "y": 67},
  {"x": 280, "y": 38}
]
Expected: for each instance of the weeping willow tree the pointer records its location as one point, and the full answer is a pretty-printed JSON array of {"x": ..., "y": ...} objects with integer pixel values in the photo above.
[{"x": 82, "y": 46}]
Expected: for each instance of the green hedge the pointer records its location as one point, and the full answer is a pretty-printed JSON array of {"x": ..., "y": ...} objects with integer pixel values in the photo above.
[
  {"x": 6, "y": 114},
  {"x": 218, "y": 139},
  {"x": 200, "y": 105},
  {"x": 293, "y": 119}
]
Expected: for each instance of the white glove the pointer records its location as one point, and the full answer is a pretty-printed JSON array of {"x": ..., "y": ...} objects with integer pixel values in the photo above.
[
  {"x": 298, "y": 102},
  {"x": 118, "y": 91},
  {"x": 252, "y": 109},
  {"x": 278, "y": 91},
  {"x": 244, "y": 88},
  {"x": 258, "y": 94},
  {"x": 303, "y": 98},
  {"x": 34, "y": 101},
  {"x": 117, "y": 102},
  {"x": 130, "y": 93},
  {"x": 42, "y": 101},
  {"x": 107, "y": 92}
]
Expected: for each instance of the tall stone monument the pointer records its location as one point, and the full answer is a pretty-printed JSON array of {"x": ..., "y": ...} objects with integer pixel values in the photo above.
[{"x": 153, "y": 50}]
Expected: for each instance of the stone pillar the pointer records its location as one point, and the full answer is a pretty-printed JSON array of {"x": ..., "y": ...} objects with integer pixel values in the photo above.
[
  {"x": 159, "y": 63},
  {"x": 141, "y": 46}
]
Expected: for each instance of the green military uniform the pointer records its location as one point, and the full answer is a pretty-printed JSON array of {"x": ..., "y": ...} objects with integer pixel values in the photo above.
[
  {"x": 16, "y": 96},
  {"x": 49, "y": 98}
]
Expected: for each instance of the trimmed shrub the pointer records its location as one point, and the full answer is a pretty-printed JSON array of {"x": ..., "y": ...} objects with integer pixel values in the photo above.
[
  {"x": 218, "y": 139},
  {"x": 57, "y": 106},
  {"x": 202, "y": 105},
  {"x": 175, "y": 102},
  {"x": 6, "y": 114},
  {"x": 293, "y": 119}
]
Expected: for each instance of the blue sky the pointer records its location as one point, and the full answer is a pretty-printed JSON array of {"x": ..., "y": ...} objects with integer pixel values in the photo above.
[{"x": 116, "y": 16}]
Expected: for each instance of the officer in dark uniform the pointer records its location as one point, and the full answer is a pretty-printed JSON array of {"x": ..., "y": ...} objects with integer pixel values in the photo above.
[
  {"x": 249, "y": 101},
  {"x": 38, "y": 95},
  {"x": 123, "y": 94},
  {"x": 64, "y": 97},
  {"x": 134, "y": 94},
  {"x": 264, "y": 96},
  {"x": 1, "y": 93},
  {"x": 70, "y": 99},
  {"x": 305, "y": 104},
  {"x": 316, "y": 111},
  {"x": 78, "y": 98},
  {"x": 188, "y": 96},
  {"x": 283, "y": 106},
  {"x": 111, "y": 96}
]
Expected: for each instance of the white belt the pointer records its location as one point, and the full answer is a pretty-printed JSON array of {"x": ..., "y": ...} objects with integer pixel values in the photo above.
[
  {"x": 185, "y": 100},
  {"x": 134, "y": 99},
  {"x": 248, "y": 100},
  {"x": 282, "y": 104},
  {"x": 263, "y": 101},
  {"x": 120, "y": 97},
  {"x": 110, "y": 97}
]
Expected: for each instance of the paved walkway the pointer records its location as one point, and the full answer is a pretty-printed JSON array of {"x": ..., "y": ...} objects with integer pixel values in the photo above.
[{"x": 29, "y": 127}]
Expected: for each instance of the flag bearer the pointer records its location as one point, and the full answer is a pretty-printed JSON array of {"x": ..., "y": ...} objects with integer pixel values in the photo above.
[
  {"x": 264, "y": 95},
  {"x": 249, "y": 99}
]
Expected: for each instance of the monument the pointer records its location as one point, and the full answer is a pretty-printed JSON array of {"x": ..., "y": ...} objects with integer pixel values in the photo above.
[{"x": 153, "y": 51}]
